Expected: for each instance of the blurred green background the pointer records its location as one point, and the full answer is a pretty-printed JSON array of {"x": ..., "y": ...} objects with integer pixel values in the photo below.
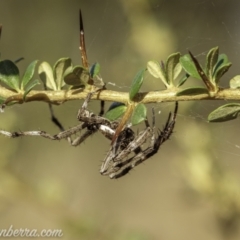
[{"x": 189, "y": 190}]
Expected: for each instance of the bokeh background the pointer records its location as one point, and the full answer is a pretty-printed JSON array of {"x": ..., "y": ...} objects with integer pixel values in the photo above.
[{"x": 189, "y": 190}]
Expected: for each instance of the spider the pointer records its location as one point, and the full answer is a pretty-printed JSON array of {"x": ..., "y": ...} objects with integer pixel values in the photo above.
[{"x": 118, "y": 162}]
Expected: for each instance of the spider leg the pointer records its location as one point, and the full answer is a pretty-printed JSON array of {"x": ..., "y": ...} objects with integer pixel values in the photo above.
[
  {"x": 124, "y": 166},
  {"x": 107, "y": 131},
  {"x": 84, "y": 114},
  {"x": 124, "y": 145},
  {"x": 102, "y": 105},
  {"x": 116, "y": 157},
  {"x": 54, "y": 119},
  {"x": 163, "y": 135},
  {"x": 83, "y": 110},
  {"x": 77, "y": 141},
  {"x": 64, "y": 134},
  {"x": 134, "y": 145},
  {"x": 122, "y": 141}
]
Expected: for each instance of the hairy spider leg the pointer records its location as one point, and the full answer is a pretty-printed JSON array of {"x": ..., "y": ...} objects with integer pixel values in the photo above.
[
  {"x": 124, "y": 138},
  {"x": 59, "y": 136},
  {"x": 64, "y": 134},
  {"x": 124, "y": 145}
]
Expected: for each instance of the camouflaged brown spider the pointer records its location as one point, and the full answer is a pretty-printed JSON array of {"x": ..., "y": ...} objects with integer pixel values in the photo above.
[{"x": 119, "y": 160}]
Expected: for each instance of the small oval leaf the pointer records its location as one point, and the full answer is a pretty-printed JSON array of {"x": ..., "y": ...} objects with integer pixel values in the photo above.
[
  {"x": 46, "y": 75},
  {"x": 221, "y": 71},
  {"x": 171, "y": 63},
  {"x": 115, "y": 113},
  {"x": 28, "y": 74},
  {"x": 94, "y": 70},
  {"x": 189, "y": 66},
  {"x": 59, "y": 69},
  {"x": 156, "y": 71},
  {"x": 183, "y": 80},
  {"x": 192, "y": 91},
  {"x": 177, "y": 71},
  {"x": 136, "y": 84},
  {"x": 235, "y": 82},
  {"x": 222, "y": 60},
  {"x": 211, "y": 86},
  {"x": 114, "y": 105},
  {"x": 9, "y": 74},
  {"x": 211, "y": 61},
  {"x": 76, "y": 76},
  {"x": 224, "y": 113},
  {"x": 29, "y": 87},
  {"x": 139, "y": 114},
  {"x": 154, "y": 68}
]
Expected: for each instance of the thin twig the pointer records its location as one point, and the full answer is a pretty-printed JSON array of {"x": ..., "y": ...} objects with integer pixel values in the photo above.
[{"x": 59, "y": 97}]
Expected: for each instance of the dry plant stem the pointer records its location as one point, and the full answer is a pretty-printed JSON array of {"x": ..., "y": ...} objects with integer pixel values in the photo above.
[{"x": 58, "y": 97}]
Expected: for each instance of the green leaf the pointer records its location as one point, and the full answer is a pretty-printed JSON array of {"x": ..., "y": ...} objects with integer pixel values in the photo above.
[
  {"x": 183, "y": 80},
  {"x": 177, "y": 70},
  {"x": 136, "y": 84},
  {"x": 76, "y": 76},
  {"x": 30, "y": 86},
  {"x": 94, "y": 70},
  {"x": 225, "y": 113},
  {"x": 115, "y": 113},
  {"x": 9, "y": 74},
  {"x": 114, "y": 105},
  {"x": 139, "y": 114},
  {"x": 211, "y": 86},
  {"x": 171, "y": 63},
  {"x": 154, "y": 68},
  {"x": 211, "y": 61},
  {"x": 28, "y": 74},
  {"x": 192, "y": 91},
  {"x": 59, "y": 69},
  {"x": 156, "y": 71},
  {"x": 221, "y": 71},
  {"x": 188, "y": 66},
  {"x": 222, "y": 60},
  {"x": 235, "y": 82},
  {"x": 46, "y": 74}
]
